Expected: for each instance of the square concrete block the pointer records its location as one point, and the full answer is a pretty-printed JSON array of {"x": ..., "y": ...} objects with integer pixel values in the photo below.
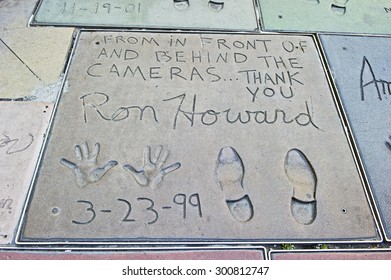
[
  {"x": 361, "y": 72},
  {"x": 30, "y": 70},
  {"x": 351, "y": 16},
  {"x": 211, "y": 137},
  {"x": 332, "y": 255},
  {"x": 182, "y": 14},
  {"x": 23, "y": 127},
  {"x": 207, "y": 254}
]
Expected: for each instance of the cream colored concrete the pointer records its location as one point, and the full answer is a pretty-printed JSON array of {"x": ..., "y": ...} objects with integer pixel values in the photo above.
[
  {"x": 23, "y": 128},
  {"x": 31, "y": 58}
]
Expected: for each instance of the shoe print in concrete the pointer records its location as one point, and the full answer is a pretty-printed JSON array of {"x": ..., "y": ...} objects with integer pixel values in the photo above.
[
  {"x": 303, "y": 179},
  {"x": 216, "y": 116},
  {"x": 216, "y": 6},
  {"x": 331, "y": 16},
  {"x": 361, "y": 73},
  {"x": 181, "y": 5},
  {"x": 173, "y": 14},
  {"x": 339, "y": 7},
  {"x": 229, "y": 175}
]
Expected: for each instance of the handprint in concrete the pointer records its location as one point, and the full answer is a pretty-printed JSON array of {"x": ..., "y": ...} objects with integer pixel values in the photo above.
[
  {"x": 87, "y": 171},
  {"x": 153, "y": 172}
]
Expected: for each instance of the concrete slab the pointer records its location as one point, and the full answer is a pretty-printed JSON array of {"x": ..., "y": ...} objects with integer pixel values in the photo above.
[
  {"x": 361, "y": 72},
  {"x": 16, "y": 79},
  {"x": 207, "y": 254},
  {"x": 358, "y": 16},
  {"x": 28, "y": 70},
  {"x": 332, "y": 255},
  {"x": 177, "y": 14},
  {"x": 211, "y": 137},
  {"x": 20, "y": 143}
]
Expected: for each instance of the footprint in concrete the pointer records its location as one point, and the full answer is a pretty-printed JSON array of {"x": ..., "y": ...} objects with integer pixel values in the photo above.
[
  {"x": 314, "y": 2},
  {"x": 303, "y": 179},
  {"x": 216, "y": 6},
  {"x": 229, "y": 175},
  {"x": 339, "y": 7},
  {"x": 181, "y": 5}
]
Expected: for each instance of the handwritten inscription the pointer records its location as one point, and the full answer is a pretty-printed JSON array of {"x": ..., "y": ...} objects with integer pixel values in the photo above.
[
  {"x": 6, "y": 204},
  {"x": 368, "y": 80},
  {"x": 95, "y": 101},
  {"x": 180, "y": 202},
  {"x": 388, "y": 143},
  {"x": 212, "y": 116},
  {"x": 148, "y": 58},
  {"x": 99, "y": 8},
  {"x": 15, "y": 145}
]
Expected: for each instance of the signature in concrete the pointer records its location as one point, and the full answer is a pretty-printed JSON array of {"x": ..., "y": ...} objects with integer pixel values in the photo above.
[
  {"x": 13, "y": 146},
  {"x": 368, "y": 79}
]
